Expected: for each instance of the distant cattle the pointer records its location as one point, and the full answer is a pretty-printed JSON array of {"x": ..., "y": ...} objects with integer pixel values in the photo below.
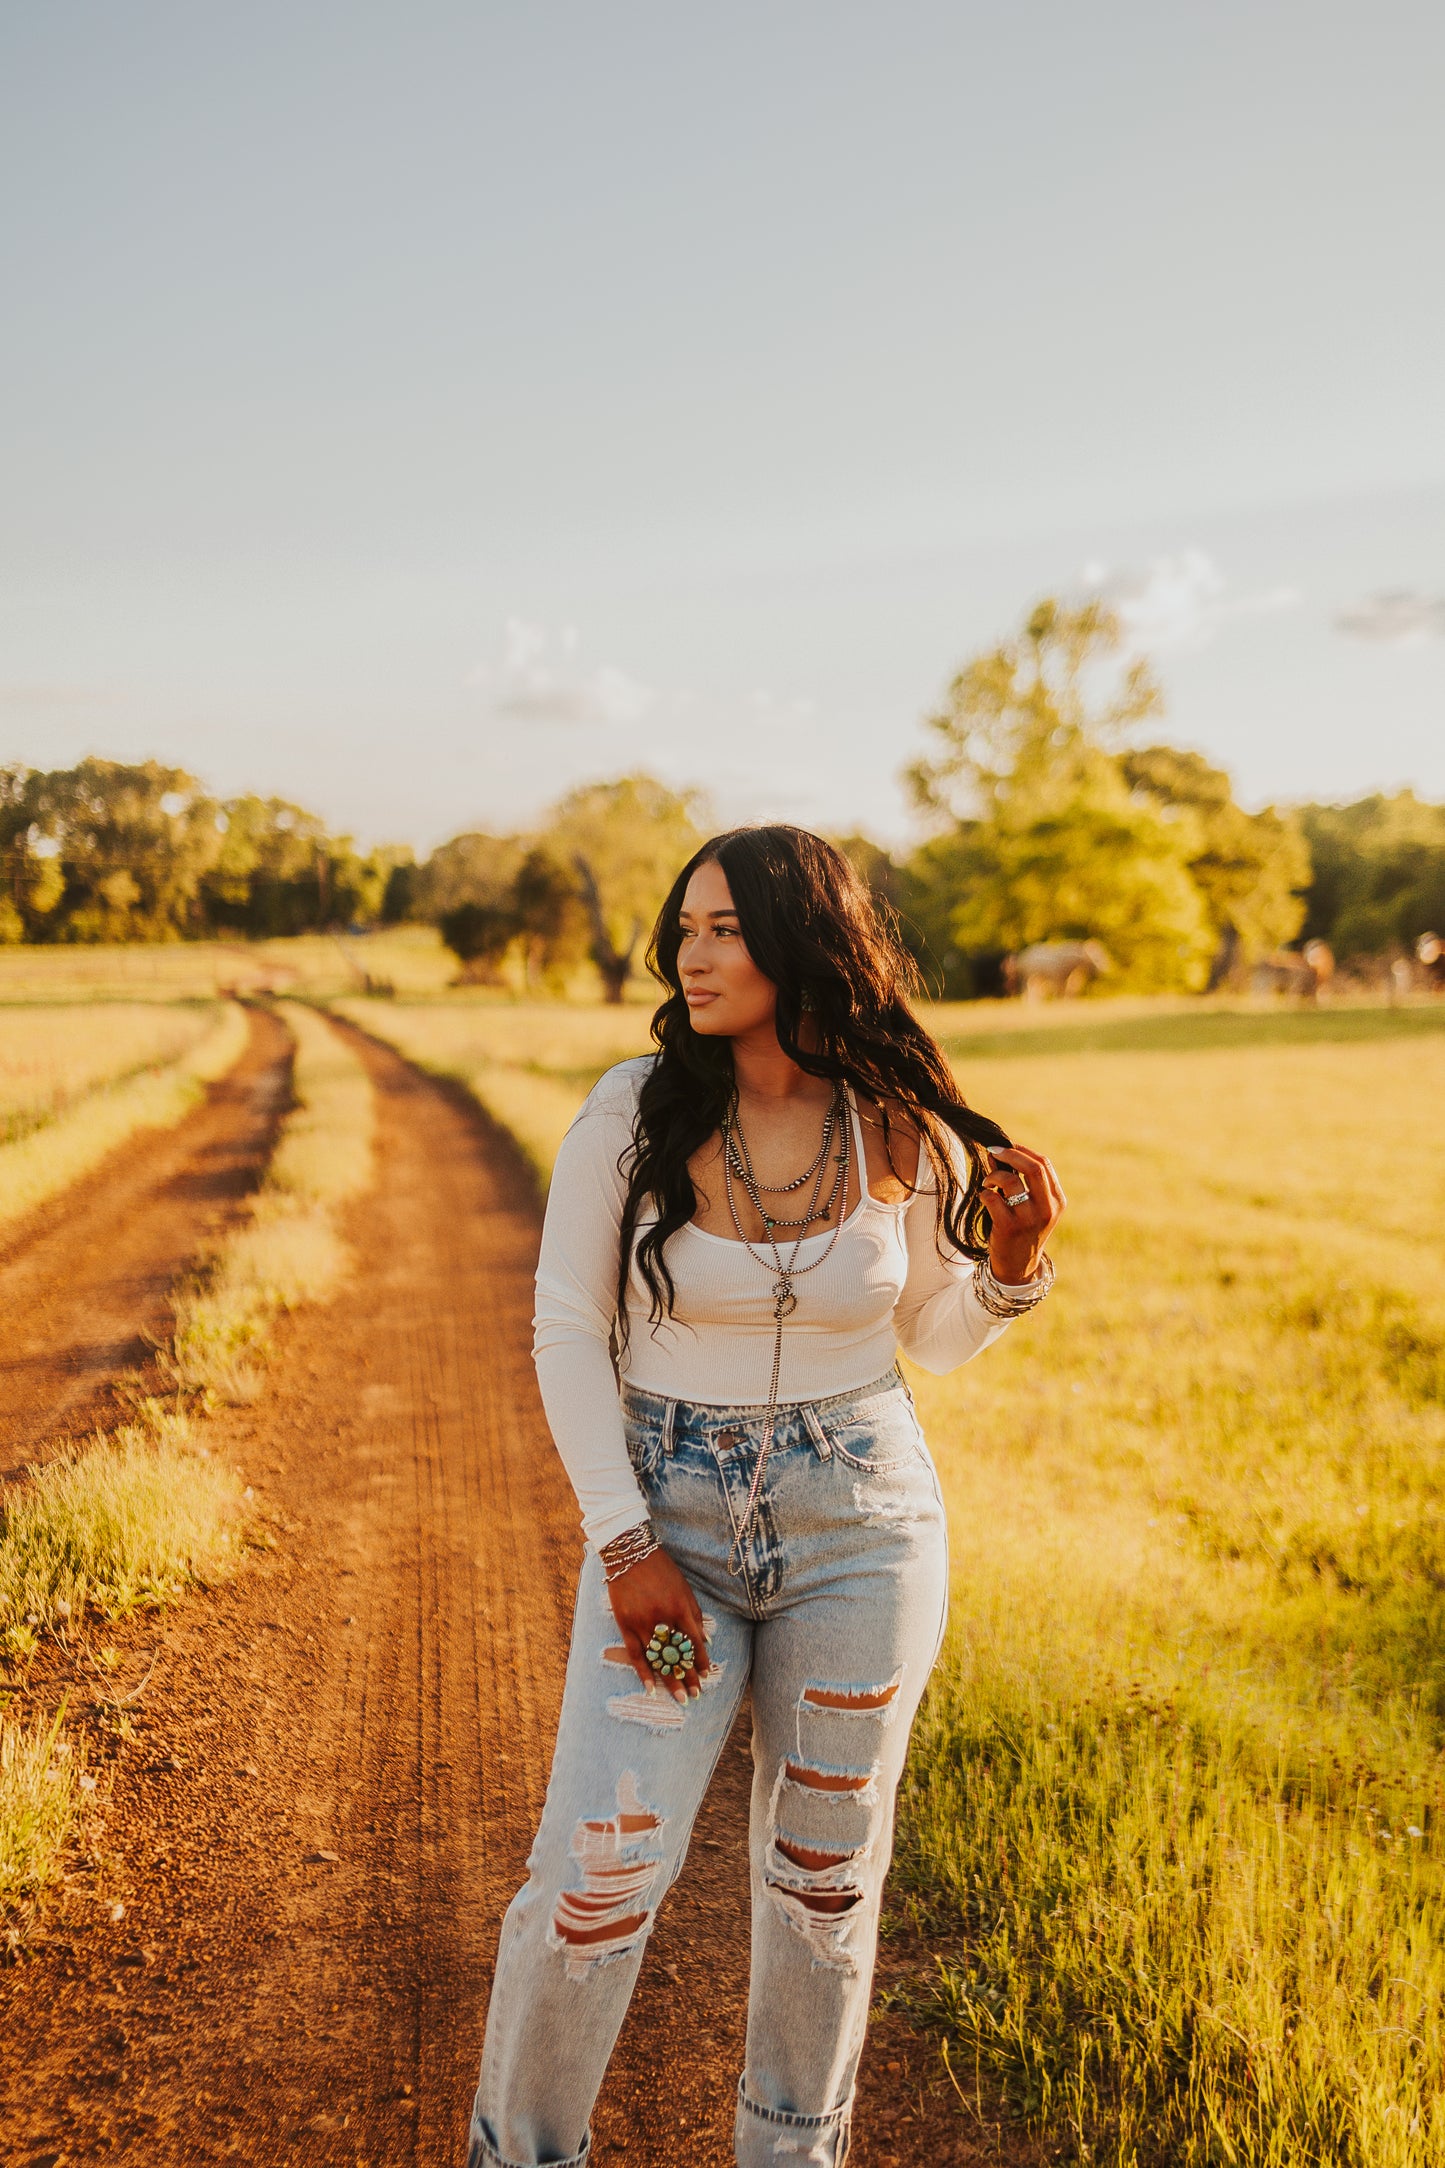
[
  {"x": 1430, "y": 954},
  {"x": 1056, "y": 970}
]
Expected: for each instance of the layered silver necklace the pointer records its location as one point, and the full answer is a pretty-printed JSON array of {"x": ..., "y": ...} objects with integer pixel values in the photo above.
[{"x": 738, "y": 1167}]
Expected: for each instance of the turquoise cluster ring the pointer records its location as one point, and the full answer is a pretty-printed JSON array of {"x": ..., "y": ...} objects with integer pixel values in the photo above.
[{"x": 669, "y": 1652}]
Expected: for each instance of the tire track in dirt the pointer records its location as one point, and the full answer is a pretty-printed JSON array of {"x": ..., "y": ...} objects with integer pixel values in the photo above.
[
  {"x": 341, "y": 1758},
  {"x": 85, "y": 1281}
]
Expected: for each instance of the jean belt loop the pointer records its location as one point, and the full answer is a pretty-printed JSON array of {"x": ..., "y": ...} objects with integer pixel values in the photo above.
[
  {"x": 669, "y": 1428},
  {"x": 813, "y": 1422}
]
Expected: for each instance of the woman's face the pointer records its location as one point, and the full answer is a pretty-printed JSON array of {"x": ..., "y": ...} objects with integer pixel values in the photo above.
[{"x": 725, "y": 991}]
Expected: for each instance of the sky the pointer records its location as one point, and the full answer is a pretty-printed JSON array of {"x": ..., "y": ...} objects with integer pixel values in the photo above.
[{"x": 417, "y": 410}]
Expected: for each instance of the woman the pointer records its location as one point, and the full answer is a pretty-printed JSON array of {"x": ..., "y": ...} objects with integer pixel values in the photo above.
[{"x": 743, "y": 1228}]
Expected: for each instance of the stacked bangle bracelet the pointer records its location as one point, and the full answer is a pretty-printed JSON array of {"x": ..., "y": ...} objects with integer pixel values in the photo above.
[
  {"x": 1006, "y": 1302},
  {"x": 628, "y": 1549}
]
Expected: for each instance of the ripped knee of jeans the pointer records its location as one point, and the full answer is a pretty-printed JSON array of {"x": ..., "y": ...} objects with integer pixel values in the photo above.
[
  {"x": 817, "y": 1893},
  {"x": 610, "y": 1914},
  {"x": 819, "y": 1889},
  {"x": 828, "y": 1813},
  {"x": 820, "y": 1844},
  {"x": 851, "y": 1700}
]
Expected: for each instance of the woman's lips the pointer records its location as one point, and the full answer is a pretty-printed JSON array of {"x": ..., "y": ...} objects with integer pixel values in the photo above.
[{"x": 694, "y": 996}]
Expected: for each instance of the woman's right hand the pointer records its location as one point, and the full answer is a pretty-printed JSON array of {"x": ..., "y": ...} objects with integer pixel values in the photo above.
[{"x": 655, "y": 1593}]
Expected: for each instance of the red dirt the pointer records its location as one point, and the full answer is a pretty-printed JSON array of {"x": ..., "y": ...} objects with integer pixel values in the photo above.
[
  {"x": 85, "y": 1282},
  {"x": 343, "y": 1755}
]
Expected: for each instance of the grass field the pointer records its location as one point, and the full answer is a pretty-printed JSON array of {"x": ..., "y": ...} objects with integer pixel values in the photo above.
[
  {"x": 1174, "y": 1813},
  {"x": 185, "y": 971},
  {"x": 1176, "y": 1802},
  {"x": 529, "y": 1065},
  {"x": 73, "y": 1090},
  {"x": 51, "y": 1056},
  {"x": 409, "y": 958}
]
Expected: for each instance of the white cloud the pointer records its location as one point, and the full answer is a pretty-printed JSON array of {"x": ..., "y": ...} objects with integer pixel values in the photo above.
[
  {"x": 1179, "y": 601},
  {"x": 535, "y": 687},
  {"x": 1397, "y": 618}
]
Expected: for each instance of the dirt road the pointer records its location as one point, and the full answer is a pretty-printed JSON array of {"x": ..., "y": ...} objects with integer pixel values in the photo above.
[
  {"x": 85, "y": 1282},
  {"x": 342, "y": 1757}
]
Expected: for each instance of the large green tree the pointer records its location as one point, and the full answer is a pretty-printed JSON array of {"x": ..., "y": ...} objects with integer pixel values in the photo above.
[
  {"x": 107, "y": 851},
  {"x": 1251, "y": 868},
  {"x": 623, "y": 843},
  {"x": 280, "y": 872},
  {"x": 1379, "y": 873},
  {"x": 1027, "y": 724},
  {"x": 474, "y": 867},
  {"x": 115, "y": 852},
  {"x": 1039, "y": 835}
]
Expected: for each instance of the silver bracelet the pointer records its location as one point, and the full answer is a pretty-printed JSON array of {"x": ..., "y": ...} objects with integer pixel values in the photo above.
[
  {"x": 1009, "y": 1302},
  {"x": 628, "y": 1550}
]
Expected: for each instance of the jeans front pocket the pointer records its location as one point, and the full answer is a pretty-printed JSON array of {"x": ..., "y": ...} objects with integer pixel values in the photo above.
[{"x": 876, "y": 1436}]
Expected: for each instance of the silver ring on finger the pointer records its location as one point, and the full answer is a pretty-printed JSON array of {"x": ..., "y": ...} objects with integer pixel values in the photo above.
[{"x": 1020, "y": 1196}]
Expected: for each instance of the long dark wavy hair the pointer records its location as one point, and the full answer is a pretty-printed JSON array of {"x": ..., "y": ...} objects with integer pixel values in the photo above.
[{"x": 814, "y": 929}]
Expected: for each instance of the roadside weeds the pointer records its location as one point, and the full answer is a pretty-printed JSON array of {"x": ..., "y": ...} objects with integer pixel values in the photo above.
[
  {"x": 131, "y": 1519},
  {"x": 290, "y": 1252}
]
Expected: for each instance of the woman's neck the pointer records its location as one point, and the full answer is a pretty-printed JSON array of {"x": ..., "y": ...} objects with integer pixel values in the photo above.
[{"x": 764, "y": 1072}]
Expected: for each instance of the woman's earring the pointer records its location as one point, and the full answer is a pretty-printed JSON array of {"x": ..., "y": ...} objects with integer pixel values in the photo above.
[{"x": 809, "y": 1002}]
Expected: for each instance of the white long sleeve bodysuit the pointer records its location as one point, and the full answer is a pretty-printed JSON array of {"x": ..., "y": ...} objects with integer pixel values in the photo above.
[{"x": 883, "y": 1286}]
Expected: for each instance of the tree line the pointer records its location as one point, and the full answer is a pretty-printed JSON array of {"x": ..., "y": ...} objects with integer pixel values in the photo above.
[
  {"x": 1047, "y": 815},
  {"x": 107, "y": 851}
]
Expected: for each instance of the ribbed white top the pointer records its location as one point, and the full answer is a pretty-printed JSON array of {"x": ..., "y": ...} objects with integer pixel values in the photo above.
[{"x": 883, "y": 1285}]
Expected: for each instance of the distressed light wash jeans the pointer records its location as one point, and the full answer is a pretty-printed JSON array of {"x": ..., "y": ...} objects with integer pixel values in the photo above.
[{"x": 835, "y": 1620}]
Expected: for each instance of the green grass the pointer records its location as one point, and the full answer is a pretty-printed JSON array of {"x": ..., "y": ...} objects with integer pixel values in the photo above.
[
  {"x": 1178, "y": 1786},
  {"x": 1090, "y": 1031},
  {"x": 1176, "y": 1800}
]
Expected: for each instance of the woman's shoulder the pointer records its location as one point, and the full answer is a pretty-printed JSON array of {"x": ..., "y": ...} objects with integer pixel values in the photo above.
[{"x": 616, "y": 1090}]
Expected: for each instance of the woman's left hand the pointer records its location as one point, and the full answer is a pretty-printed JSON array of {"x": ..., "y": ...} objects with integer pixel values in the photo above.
[{"x": 1018, "y": 1231}]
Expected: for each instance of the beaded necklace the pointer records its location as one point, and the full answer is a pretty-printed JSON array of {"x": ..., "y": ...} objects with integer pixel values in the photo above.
[{"x": 738, "y": 1164}]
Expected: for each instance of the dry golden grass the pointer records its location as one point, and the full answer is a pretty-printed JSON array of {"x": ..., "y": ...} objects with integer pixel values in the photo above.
[
  {"x": 528, "y": 1064},
  {"x": 50, "y": 1057},
  {"x": 1178, "y": 1790},
  {"x": 411, "y": 960},
  {"x": 38, "y": 1802},
  {"x": 122, "y": 1522},
  {"x": 289, "y": 1250},
  {"x": 36, "y": 1165},
  {"x": 143, "y": 971},
  {"x": 134, "y": 1519}
]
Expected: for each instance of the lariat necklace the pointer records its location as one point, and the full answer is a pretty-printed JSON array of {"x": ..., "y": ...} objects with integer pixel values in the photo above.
[{"x": 738, "y": 1165}]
